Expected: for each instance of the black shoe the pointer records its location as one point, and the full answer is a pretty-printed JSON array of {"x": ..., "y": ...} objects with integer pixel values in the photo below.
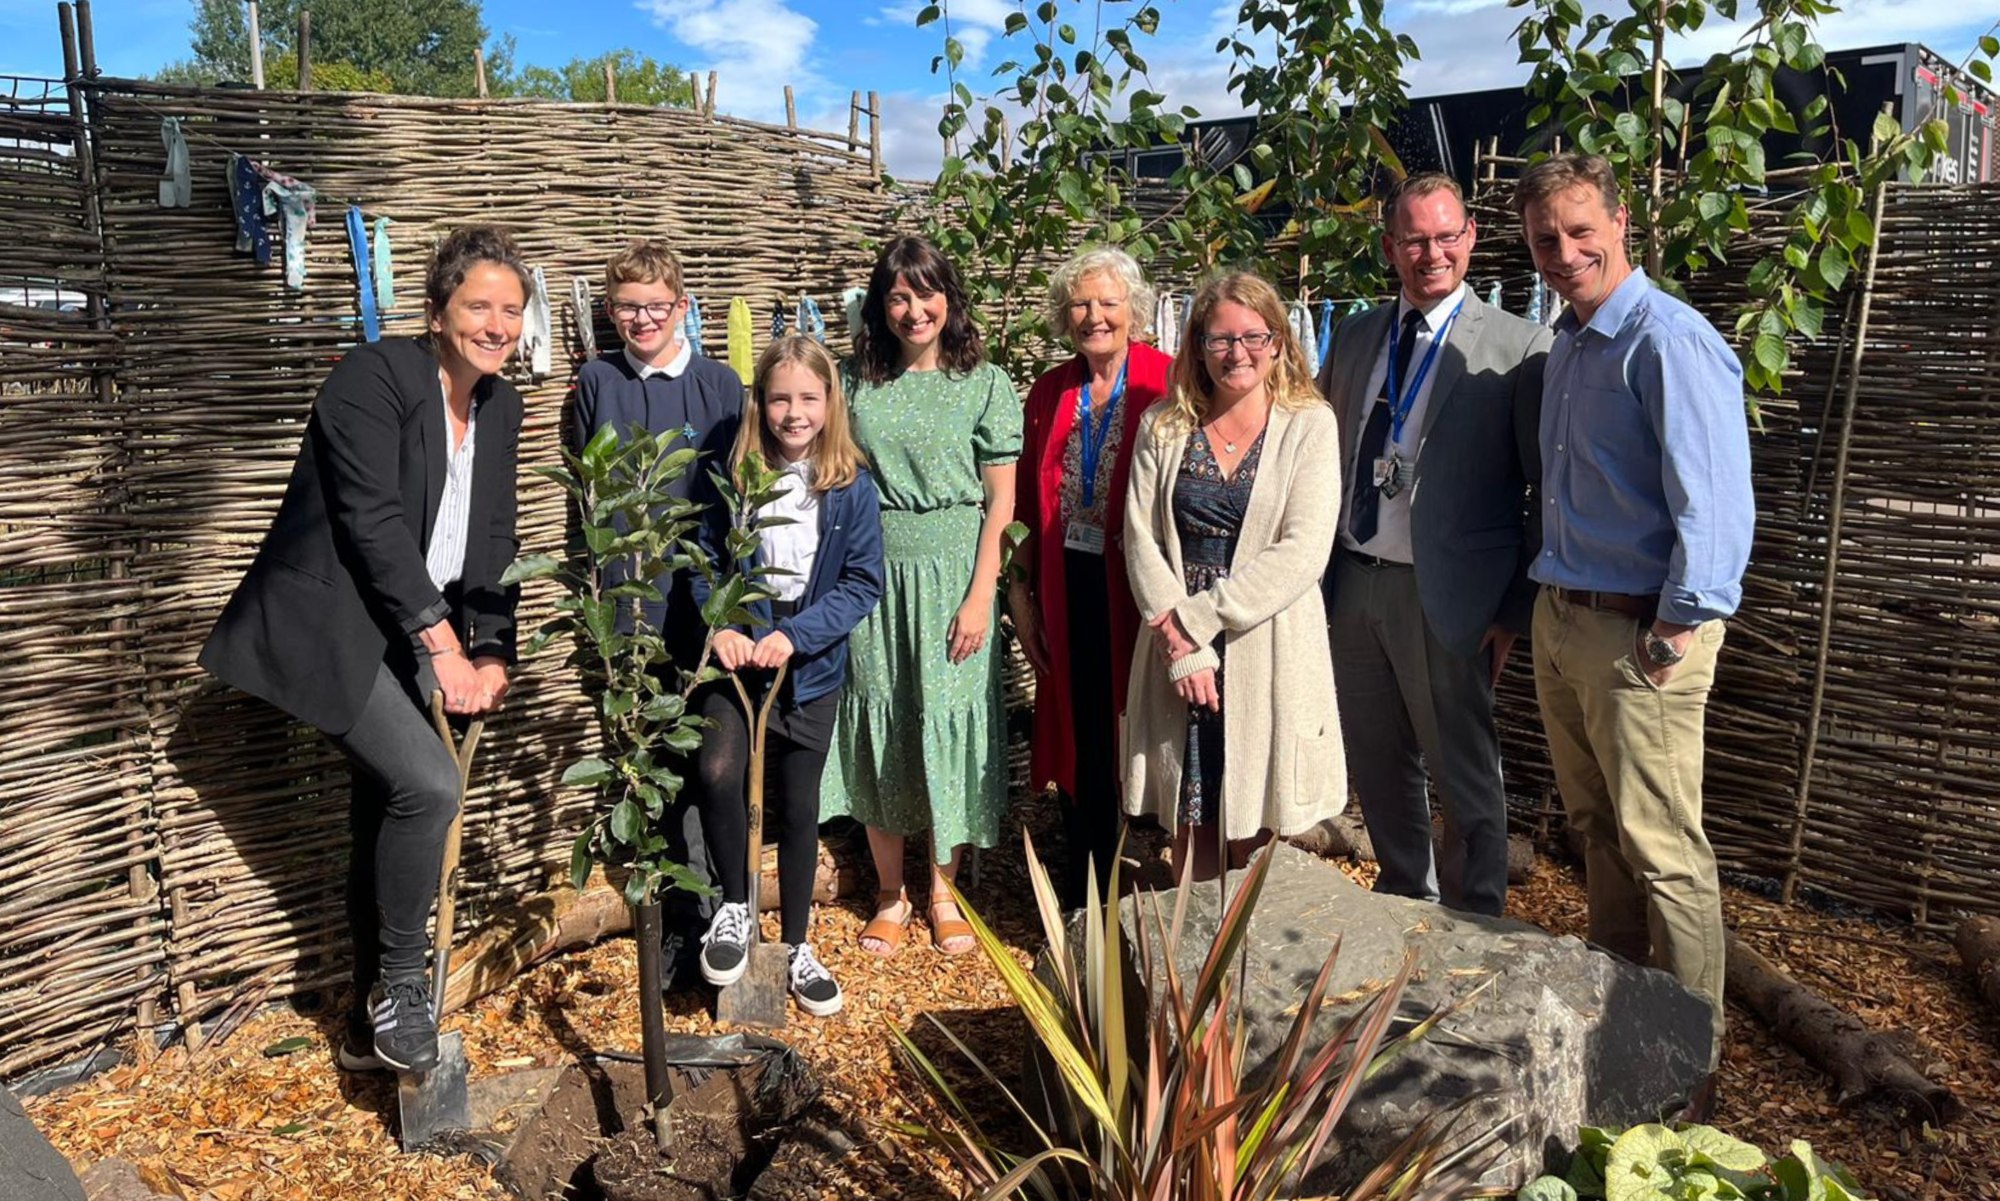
[
  {"x": 812, "y": 985},
  {"x": 725, "y": 949},
  {"x": 357, "y": 1045},
  {"x": 406, "y": 1036},
  {"x": 680, "y": 960}
]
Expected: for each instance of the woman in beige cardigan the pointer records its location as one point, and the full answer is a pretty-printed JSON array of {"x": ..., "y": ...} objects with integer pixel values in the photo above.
[{"x": 1230, "y": 517}]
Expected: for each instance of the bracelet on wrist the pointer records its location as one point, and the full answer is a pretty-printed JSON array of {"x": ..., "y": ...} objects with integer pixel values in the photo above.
[{"x": 444, "y": 650}]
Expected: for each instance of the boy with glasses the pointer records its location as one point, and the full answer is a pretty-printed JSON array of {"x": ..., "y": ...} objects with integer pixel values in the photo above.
[{"x": 656, "y": 382}]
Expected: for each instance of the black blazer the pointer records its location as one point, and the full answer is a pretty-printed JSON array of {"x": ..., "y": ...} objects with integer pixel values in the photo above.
[{"x": 341, "y": 576}]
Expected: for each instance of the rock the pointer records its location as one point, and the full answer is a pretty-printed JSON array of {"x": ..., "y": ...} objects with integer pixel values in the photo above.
[
  {"x": 30, "y": 1169},
  {"x": 116, "y": 1179},
  {"x": 1564, "y": 1035}
]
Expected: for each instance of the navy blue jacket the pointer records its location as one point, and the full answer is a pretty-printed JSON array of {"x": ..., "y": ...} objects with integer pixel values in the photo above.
[
  {"x": 845, "y": 584},
  {"x": 707, "y": 397}
]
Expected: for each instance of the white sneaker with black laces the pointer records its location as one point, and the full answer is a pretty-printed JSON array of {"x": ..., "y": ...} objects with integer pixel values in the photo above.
[
  {"x": 725, "y": 949},
  {"x": 812, "y": 985}
]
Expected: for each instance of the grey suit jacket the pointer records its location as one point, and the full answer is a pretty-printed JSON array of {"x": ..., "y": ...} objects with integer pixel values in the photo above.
[{"x": 1472, "y": 527}]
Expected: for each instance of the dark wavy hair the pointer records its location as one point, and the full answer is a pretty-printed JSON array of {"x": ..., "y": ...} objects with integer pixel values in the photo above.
[
  {"x": 464, "y": 248},
  {"x": 878, "y": 355}
]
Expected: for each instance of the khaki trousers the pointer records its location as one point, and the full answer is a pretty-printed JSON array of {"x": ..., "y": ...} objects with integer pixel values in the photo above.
[{"x": 1628, "y": 762}]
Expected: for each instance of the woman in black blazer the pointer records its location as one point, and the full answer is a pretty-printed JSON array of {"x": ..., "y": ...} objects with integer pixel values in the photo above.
[{"x": 378, "y": 582}]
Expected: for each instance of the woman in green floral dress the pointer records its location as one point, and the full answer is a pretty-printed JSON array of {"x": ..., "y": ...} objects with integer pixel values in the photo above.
[{"x": 920, "y": 740}]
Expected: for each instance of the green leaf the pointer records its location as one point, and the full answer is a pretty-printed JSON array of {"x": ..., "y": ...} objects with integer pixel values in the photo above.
[
  {"x": 531, "y": 567},
  {"x": 1707, "y": 1145},
  {"x": 1636, "y": 1169},
  {"x": 1547, "y": 1188},
  {"x": 1834, "y": 264},
  {"x": 580, "y": 860},
  {"x": 587, "y": 773},
  {"x": 628, "y": 822},
  {"x": 289, "y": 1046},
  {"x": 927, "y": 14},
  {"x": 1771, "y": 353},
  {"x": 291, "y": 1127}
]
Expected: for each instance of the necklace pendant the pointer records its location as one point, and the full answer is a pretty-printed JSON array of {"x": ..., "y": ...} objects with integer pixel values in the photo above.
[{"x": 1230, "y": 447}]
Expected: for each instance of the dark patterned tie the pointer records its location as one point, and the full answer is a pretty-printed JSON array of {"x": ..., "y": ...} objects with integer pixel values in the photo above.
[{"x": 1361, "y": 517}]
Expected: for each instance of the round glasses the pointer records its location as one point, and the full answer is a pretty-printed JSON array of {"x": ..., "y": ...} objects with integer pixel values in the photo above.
[{"x": 1253, "y": 342}]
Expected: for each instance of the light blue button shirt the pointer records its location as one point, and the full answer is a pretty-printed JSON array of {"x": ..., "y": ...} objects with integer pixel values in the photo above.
[{"x": 1646, "y": 457}]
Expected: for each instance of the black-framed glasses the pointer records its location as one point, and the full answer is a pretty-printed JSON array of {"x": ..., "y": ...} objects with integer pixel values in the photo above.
[
  {"x": 1254, "y": 341},
  {"x": 658, "y": 310},
  {"x": 1416, "y": 243}
]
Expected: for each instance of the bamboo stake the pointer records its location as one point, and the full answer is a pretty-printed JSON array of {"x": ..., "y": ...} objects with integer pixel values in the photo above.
[{"x": 1829, "y": 579}]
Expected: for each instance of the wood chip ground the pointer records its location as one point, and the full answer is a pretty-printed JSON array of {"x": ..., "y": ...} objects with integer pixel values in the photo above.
[{"x": 235, "y": 1124}]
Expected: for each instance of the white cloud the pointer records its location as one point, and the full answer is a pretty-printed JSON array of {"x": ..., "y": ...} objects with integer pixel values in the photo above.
[{"x": 755, "y": 47}]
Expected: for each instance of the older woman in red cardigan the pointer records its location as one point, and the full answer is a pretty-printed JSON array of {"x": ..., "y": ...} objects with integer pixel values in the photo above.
[{"x": 1074, "y": 613}]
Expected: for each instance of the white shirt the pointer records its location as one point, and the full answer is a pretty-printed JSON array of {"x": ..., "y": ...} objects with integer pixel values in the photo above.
[
  {"x": 445, "y": 559},
  {"x": 792, "y": 547},
  {"x": 1392, "y": 513},
  {"x": 672, "y": 368}
]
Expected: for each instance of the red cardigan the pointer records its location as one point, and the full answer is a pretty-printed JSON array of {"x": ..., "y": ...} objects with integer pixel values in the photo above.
[{"x": 1050, "y": 416}]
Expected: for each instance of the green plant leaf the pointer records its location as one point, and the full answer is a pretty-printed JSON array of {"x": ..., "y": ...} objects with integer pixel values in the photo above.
[
  {"x": 587, "y": 773},
  {"x": 580, "y": 860},
  {"x": 1637, "y": 1168},
  {"x": 1547, "y": 1188},
  {"x": 289, "y": 1046},
  {"x": 531, "y": 567},
  {"x": 628, "y": 822},
  {"x": 1707, "y": 1145}
]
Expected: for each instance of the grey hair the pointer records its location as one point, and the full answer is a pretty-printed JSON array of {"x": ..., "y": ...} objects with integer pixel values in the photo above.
[{"x": 1140, "y": 298}]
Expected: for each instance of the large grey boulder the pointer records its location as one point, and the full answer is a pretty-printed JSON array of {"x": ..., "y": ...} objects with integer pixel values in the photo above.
[
  {"x": 1563, "y": 1034},
  {"x": 30, "y": 1169}
]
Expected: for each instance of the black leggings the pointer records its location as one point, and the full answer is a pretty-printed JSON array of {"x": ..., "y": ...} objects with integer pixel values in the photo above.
[
  {"x": 791, "y": 799},
  {"x": 405, "y": 795},
  {"x": 1092, "y": 818}
]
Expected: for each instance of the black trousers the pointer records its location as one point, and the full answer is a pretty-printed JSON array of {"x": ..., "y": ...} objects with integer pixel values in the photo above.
[
  {"x": 405, "y": 795},
  {"x": 795, "y": 750},
  {"x": 1092, "y": 819}
]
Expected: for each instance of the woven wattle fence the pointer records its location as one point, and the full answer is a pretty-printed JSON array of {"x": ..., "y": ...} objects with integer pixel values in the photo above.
[
  {"x": 1899, "y": 807},
  {"x": 169, "y": 846}
]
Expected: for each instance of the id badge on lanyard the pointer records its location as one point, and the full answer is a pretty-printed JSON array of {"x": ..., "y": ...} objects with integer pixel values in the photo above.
[
  {"x": 1390, "y": 472},
  {"x": 1081, "y": 535}
]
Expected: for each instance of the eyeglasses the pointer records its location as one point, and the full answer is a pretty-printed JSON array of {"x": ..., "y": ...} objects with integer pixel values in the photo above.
[
  {"x": 1450, "y": 241},
  {"x": 1252, "y": 342},
  {"x": 658, "y": 310}
]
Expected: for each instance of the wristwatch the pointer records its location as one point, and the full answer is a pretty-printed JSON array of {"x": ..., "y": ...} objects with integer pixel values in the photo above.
[{"x": 1659, "y": 651}]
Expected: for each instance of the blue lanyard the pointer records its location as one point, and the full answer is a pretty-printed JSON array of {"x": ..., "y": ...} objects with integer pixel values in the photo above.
[
  {"x": 1400, "y": 403},
  {"x": 1092, "y": 449}
]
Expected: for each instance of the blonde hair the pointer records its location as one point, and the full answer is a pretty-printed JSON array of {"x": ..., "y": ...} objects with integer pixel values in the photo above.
[
  {"x": 643, "y": 262},
  {"x": 1116, "y": 265},
  {"x": 1190, "y": 390},
  {"x": 836, "y": 458}
]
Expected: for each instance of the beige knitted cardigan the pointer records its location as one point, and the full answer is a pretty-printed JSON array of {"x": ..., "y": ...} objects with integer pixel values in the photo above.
[{"x": 1284, "y": 768}]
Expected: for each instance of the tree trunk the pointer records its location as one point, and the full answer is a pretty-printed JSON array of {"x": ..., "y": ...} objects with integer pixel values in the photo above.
[
  {"x": 1978, "y": 941},
  {"x": 1864, "y": 1063}
]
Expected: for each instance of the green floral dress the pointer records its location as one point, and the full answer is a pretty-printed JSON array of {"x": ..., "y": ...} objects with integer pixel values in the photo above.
[{"x": 920, "y": 742}]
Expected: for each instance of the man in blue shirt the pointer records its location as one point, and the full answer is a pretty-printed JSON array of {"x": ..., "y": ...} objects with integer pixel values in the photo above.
[{"x": 1647, "y": 519}]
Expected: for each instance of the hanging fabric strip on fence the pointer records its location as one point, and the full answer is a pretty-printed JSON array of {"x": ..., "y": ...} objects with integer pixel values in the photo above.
[
  {"x": 1299, "y": 316},
  {"x": 777, "y": 319},
  {"x": 385, "y": 278},
  {"x": 537, "y": 329},
  {"x": 850, "y": 307},
  {"x": 579, "y": 311},
  {"x": 691, "y": 325},
  {"x": 292, "y": 202},
  {"x": 1325, "y": 332},
  {"x": 246, "y": 200},
  {"x": 176, "y": 188},
  {"x": 1167, "y": 323},
  {"x": 1493, "y": 294},
  {"x": 364, "y": 284},
  {"x": 742, "y": 335},
  {"x": 810, "y": 321}
]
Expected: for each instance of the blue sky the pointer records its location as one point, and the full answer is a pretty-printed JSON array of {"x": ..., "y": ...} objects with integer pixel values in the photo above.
[{"x": 828, "y": 48}]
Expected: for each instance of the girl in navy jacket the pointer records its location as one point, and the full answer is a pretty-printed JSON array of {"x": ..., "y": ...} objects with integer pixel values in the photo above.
[{"x": 797, "y": 420}]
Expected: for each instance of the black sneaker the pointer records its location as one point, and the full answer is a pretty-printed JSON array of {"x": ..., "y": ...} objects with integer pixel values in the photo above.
[
  {"x": 357, "y": 1045},
  {"x": 812, "y": 984},
  {"x": 725, "y": 949},
  {"x": 406, "y": 1036}
]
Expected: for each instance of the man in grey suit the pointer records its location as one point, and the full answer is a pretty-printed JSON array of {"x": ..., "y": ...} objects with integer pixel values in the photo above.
[{"x": 1439, "y": 396}]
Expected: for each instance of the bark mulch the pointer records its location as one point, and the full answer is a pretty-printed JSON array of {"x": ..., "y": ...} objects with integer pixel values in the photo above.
[{"x": 250, "y": 1120}]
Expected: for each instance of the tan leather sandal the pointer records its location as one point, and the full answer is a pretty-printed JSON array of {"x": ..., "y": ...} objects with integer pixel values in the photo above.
[{"x": 887, "y": 931}]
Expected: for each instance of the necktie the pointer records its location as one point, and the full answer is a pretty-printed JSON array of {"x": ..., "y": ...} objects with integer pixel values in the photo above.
[{"x": 1375, "y": 438}]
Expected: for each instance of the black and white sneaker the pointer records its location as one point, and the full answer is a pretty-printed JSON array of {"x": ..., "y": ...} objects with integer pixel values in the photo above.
[
  {"x": 357, "y": 1046},
  {"x": 814, "y": 986},
  {"x": 725, "y": 949},
  {"x": 406, "y": 1036}
]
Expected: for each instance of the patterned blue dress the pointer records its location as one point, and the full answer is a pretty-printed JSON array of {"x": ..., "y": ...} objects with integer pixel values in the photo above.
[{"x": 1208, "y": 516}]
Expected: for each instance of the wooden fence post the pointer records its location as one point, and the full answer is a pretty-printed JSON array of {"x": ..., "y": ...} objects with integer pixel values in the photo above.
[
  {"x": 791, "y": 109},
  {"x": 256, "y": 49},
  {"x": 875, "y": 134},
  {"x": 479, "y": 70},
  {"x": 305, "y": 51}
]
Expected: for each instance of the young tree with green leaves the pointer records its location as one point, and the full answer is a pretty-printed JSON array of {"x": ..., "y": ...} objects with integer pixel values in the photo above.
[
  {"x": 639, "y": 78},
  {"x": 419, "y": 49},
  {"x": 631, "y": 532},
  {"x": 1693, "y": 168}
]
